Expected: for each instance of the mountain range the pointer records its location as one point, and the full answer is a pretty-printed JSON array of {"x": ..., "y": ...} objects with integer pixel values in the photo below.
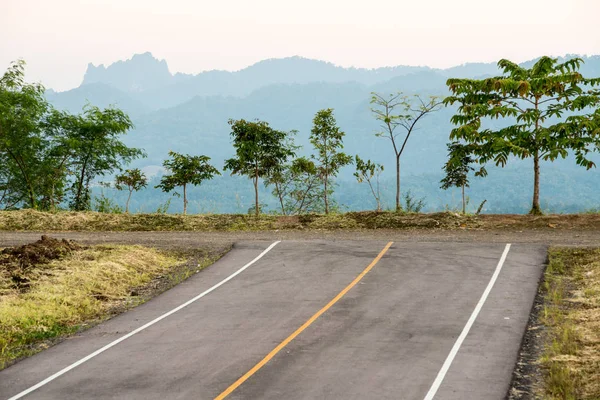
[{"x": 189, "y": 113}]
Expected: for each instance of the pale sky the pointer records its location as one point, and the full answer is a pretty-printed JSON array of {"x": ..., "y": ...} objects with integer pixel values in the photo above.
[{"x": 58, "y": 38}]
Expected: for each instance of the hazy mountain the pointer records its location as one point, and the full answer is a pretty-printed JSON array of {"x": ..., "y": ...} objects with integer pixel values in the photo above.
[
  {"x": 148, "y": 80},
  {"x": 98, "y": 94},
  {"x": 141, "y": 73}
]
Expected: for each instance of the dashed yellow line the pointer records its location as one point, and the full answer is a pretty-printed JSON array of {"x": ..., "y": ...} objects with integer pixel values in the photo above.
[{"x": 298, "y": 331}]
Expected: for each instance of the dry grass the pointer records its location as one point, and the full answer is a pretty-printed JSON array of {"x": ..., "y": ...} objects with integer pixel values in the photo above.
[
  {"x": 571, "y": 356},
  {"x": 29, "y": 220},
  {"x": 82, "y": 287}
]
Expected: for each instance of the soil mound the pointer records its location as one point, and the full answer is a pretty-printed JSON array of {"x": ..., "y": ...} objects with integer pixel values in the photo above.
[{"x": 24, "y": 264}]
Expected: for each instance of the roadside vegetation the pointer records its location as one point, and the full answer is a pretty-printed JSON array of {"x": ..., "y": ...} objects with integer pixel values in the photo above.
[
  {"x": 30, "y": 220},
  {"x": 52, "y": 160},
  {"x": 570, "y": 357},
  {"x": 53, "y": 288}
]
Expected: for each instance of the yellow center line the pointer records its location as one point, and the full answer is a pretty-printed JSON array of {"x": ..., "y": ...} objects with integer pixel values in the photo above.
[{"x": 298, "y": 331}]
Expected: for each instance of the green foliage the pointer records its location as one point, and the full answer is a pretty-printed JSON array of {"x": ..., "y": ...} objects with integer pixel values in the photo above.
[
  {"x": 458, "y": 166},
  {"x": 133, "y": 180},
  {"x": 164, "y": 207},
  {"x": 261, "y": 209},
  {"x": 413, "y": 205},
  {"x": 43, "y": 151},
  {"x": 98, "y": 151},
  {"x": 296, "y": 186},
  {"x": 105, "y": 204},
  {"x": 369, "y": 171},
  {"x": 457, "y": 169},
  {"x": 260, "y": 152},
  {"x": 22, "y": 143},
  {"x": 327, "y": 139},
  {"x": 184, "y": 170},
  {"x": 404, "y": 112},
  {"x": 552, "y": 108}
]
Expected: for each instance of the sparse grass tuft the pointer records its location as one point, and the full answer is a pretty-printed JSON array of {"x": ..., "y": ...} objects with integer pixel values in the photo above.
[
  {"x": 71, "y": 292},
  {"x": 571, "y": 356}
]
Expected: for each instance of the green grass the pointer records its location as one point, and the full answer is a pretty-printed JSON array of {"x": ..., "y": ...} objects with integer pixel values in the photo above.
[
  {"x": 73, "y": 292},
  {"x": 571, "y": 313}
]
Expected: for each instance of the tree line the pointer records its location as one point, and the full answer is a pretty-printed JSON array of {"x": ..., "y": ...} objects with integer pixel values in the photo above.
[{"x": 50, "y": 159}]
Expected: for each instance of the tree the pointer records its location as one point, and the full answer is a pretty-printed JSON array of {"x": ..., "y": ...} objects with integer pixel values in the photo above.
[
  {"x": 327, "y": 139},
  {"x": 133, "y": 180},
  {"x": 551, "y": 109},
  {"x": 22, "y": 110},
  {"x": 259, "y": 152},
  {"x": 184, "y": 170},
  {"x": 296, "y": 186},
  {"x": 41, "y": 148},
  {"x": 457, "y": 169},
  {"x": 400, "y": 111},
  {"x": 367, "y": 171},
  {"x": 98, "y": 150}
]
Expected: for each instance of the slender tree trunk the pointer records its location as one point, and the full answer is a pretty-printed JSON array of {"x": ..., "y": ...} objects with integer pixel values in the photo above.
[
  {"x": 304, "y": 195},
  {"x": 463, "y": 200},
  {"x": 30, "y": 191},
  {"x": 280, "y": 195},
  {"x": 256, "y": 210},
  {"x": 79, "y": 190},
  {"x": 127, "y": 204},
  {"x": 378, "y": 195},
  {"x": 375, "y": 194},
  {"x": 535, "y": 207},
  {"x": 326, "y": 200},
  {"x": 398, "y": 207},
  {"x": 184, "y": 199}
]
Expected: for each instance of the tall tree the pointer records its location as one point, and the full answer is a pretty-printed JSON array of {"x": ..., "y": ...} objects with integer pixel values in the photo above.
[
  {"x": 259, "y": 152},
  {"x": 22, "y": 143},
  {"x": 550, "y": 108},
  {"x": 184, "y": 170},
  {"x": 132, "y": 180},
  {"x": 327, "y": 139},
  {"x": 296, "y": 186},
  {"x": 404, "y": 112},
  {"x": 457, "y": 169},
  {"x": 368, "y": 171},
  {"x": 98, "y": 149}
]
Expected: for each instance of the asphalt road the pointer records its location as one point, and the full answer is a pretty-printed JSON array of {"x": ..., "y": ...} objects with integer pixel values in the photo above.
[{"x": 386, "y": 337}]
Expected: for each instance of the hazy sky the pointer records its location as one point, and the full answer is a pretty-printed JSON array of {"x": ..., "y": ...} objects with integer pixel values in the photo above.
[{"x": 58, "y": 38}]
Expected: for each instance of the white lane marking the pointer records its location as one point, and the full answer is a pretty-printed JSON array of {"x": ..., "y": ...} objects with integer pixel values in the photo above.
[
  {"x": 440, "y": 376},
  {"x": 141, "y": 328}
]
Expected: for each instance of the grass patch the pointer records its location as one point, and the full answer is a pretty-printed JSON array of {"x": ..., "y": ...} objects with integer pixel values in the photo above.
[
  {"x": 30, "y": 220},
  {"x": 571, "y": 313},
  {"x": 64, "y": 294}
]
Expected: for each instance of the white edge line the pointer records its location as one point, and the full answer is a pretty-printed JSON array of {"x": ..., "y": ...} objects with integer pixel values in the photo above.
[
  {"x": 141, "y": 328},
  {"x": 440, "y": 376}
]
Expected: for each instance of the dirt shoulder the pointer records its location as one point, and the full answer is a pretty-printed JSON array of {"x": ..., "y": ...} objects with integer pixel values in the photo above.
[{"x": 222, "y": 240}]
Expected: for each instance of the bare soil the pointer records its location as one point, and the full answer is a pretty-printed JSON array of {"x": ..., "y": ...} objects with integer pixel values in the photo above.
[{"x": 25, "y": 263}]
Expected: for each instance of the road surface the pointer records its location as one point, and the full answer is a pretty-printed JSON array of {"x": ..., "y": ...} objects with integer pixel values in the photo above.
[{"x": 310, "y": 319}]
